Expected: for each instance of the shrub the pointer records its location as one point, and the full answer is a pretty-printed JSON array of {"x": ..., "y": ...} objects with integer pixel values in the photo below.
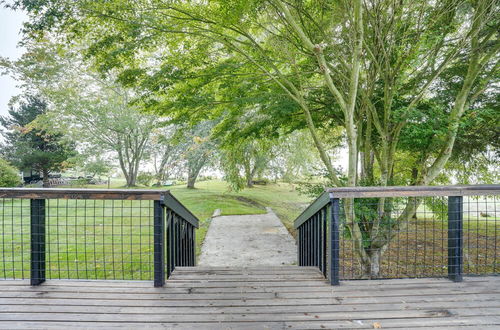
[
  {"x": 9, "y": 176},
  {"x": 145, "y": 178}
]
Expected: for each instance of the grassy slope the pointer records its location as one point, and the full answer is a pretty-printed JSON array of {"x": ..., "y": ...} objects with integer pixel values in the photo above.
[
  {"x": 214, "y": 194},
  {"x": 211, "y": 195}
]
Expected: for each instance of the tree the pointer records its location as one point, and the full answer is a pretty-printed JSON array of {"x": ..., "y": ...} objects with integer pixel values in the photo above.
[
  {"x": 199, "y": 150},
  {"x": 9, "y": 176},
  {"x": 29, "y": 147},
  {"x": 295, "y": 159},
  {"x": 166, "y": 152},
  {"x": 243, "y": 160},
  {"x": 366, "y": 66},
  {"x": 94, "y": 110},
  {"x": 96, "y": 166}
]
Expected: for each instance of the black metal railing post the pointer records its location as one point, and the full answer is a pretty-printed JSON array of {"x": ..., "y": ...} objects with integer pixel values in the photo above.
[
  {"x": 324, "y": 233},
  {"x": 159, "y": 244},
  {"x": 170, "y": 243},
  {"x": 193, "y": 256},
  {"x": 455, "y": 238},
  {"x": 37, "y": 227},
  {"x": 334, "y": 240}
]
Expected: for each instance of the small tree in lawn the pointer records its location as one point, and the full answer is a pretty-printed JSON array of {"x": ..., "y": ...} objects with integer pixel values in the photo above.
[
  {"x": 98, "y": 167},
  {"x": 26, "y": 146}
]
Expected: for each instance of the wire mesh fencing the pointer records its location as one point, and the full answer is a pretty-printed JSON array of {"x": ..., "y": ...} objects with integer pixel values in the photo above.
[
  {"x": 83, "y": 239},
  {"x": 400, "y": 232},
  {"x": 15, "y": 238},
  {"x": 397, "y": 243},
  {"x": 88, "y": 235}
]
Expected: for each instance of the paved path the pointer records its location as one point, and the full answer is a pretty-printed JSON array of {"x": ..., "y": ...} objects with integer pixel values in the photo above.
[{"x": 248, "y": 240}]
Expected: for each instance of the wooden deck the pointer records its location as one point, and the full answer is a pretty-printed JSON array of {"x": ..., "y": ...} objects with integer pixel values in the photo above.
[{"x": 253, "y": 298}]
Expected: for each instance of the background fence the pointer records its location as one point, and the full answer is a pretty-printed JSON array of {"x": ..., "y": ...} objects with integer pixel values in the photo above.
[
  {"x": 93, "y": 234},
  {"x": 413, "y": 231}
]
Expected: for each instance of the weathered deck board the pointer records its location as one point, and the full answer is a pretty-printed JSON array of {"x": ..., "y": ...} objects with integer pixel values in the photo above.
[{"x": 251, "y": 298}]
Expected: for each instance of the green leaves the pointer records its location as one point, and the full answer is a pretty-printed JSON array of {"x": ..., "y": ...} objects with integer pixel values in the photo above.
[
  {"x": 9, "y": 176},
  {"x": 29, "y": 146}
]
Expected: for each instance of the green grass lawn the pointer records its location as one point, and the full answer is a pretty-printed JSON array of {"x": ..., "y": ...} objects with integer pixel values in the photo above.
[{"x": 113, "y": 239}]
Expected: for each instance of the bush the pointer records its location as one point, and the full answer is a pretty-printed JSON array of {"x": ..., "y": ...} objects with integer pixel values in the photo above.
[
  {"x": 79, "y": 183},
  {"x": 145, "y": 178},
  {"x": 9, "y": 176}
]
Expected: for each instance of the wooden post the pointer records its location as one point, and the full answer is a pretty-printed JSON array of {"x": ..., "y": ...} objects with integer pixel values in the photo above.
[
  {"x": 159, "y": 244},
  {"x": 334, "y": 240},
  {"x": 37, "y": 272},
  {"x": 455, "y": 237}
]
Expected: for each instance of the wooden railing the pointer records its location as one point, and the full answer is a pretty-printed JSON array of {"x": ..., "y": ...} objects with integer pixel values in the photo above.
[
  {"x": 403, "y": 227},
  {"x": 94, "y": 234}
]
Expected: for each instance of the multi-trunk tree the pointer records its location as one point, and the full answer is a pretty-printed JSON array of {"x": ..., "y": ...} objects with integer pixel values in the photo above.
[
  {"x": 244, "y": 160},
  {"x": 166, "y": 153},
  {"x": 199, "y": 149}
]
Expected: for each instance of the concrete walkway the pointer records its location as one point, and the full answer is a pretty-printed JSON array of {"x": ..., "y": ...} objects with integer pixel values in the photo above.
[{"x": 248, "y": 240}]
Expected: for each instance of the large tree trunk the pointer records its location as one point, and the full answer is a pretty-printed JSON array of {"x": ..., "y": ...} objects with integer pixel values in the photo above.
[
  {"x": 160, "y": 171},
  {"x": 131, "y": 180},
  {"x": 379, "y": 244},
  {"x": 192, "y": 180},
  {"x": 194, "y": 169},
  {"x": 45, "y": 174},
  {"x": 250, "y": 176},
  {"x": 129, "y": 165},
  {"x": 371, "y": 267},
  {"x": 193, "y": 173}
]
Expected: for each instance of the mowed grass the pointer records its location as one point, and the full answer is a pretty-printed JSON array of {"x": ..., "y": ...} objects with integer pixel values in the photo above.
[
  {"x": 210, "y": 195},
  {"x": 283, "y": 198},
  {"x": 85, "y": 239},
  {"x": 114, "y": 239}
]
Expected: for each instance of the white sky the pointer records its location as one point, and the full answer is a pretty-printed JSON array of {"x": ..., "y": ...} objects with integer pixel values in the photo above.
[{"x": 10, "y": 25}]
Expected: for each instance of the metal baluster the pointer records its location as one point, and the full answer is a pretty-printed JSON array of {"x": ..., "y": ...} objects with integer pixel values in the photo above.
[
  {"x": 455, "y": 238},
  {"x": 159, "y": 244},
  {"x": 37, "y": 272},
  {"x": 334, "y": 237}
]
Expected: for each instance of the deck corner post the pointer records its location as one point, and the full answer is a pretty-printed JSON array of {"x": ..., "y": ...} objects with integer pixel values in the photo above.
[
  {"x": 455, "y": 238},
  {"x": 37, "y": 241},
  {"x": 159, "y": 244},
  {"x": 334, "y": 240}
]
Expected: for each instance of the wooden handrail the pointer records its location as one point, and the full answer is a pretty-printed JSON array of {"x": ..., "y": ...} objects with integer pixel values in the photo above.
[
  {"x": 103, "y": 194},
  {"x": 72, "y": 193},
  {"x": 395, "y": 191},
  {"x": 415, "y": 191},
  {"x": 312, "y": 209},
  {"x": 172, "y": 203}
]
